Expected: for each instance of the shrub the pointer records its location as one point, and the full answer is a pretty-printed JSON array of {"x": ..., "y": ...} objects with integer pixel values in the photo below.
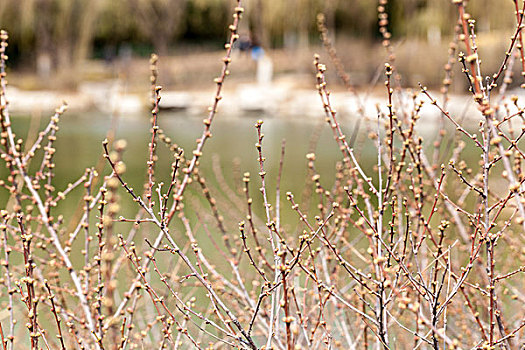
[{"x": 425, "y": 249}]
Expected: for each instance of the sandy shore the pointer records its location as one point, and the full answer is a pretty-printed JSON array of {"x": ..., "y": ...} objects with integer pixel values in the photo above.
[{"x": 278, "y": 99}]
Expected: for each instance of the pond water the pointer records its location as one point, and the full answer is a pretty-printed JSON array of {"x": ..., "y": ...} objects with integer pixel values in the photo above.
[{"x": 79, "y": 146}]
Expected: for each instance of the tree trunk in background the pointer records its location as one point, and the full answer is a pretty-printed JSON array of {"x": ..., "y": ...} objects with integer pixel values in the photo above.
[
  {"x": 63, "y": 32},
  {"x": 63, "y": 36},
  {"x": 259, "y": 32},
  {"x": 159, "y": 20},
  {"x": 43, "y": 29},
  {"x": 302, "y": 24},
  {"x": 289, "y": 28},
  {"x": 83, "y": 47},
  {"x": 3, "y": 6}
]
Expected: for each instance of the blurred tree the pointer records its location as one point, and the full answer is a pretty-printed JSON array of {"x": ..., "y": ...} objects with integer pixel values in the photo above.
[
  {"x": 258, "y": 30},
  {"x": 492, "y": 15},
  {"x": 159, "y": 20},
  {"x": 73, "y": 30},
  {"x": 3, "y": 8},
  {"x": 416, "y": 18},
  {"x": 43, "y": 32},
  {"x": 86, "y": 14},
  {"x": 303, "y": 20},
  {"x": 207, "y": 21},
  {"x": 291, "y": 23},
  {"x": 116, "y": 22},
  {"x": 60, "y": 33},
  {"x": 356, "y": 18}
]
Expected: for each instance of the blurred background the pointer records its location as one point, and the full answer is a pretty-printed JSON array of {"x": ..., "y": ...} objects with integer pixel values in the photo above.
[{"x": 57, "y": 44}]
